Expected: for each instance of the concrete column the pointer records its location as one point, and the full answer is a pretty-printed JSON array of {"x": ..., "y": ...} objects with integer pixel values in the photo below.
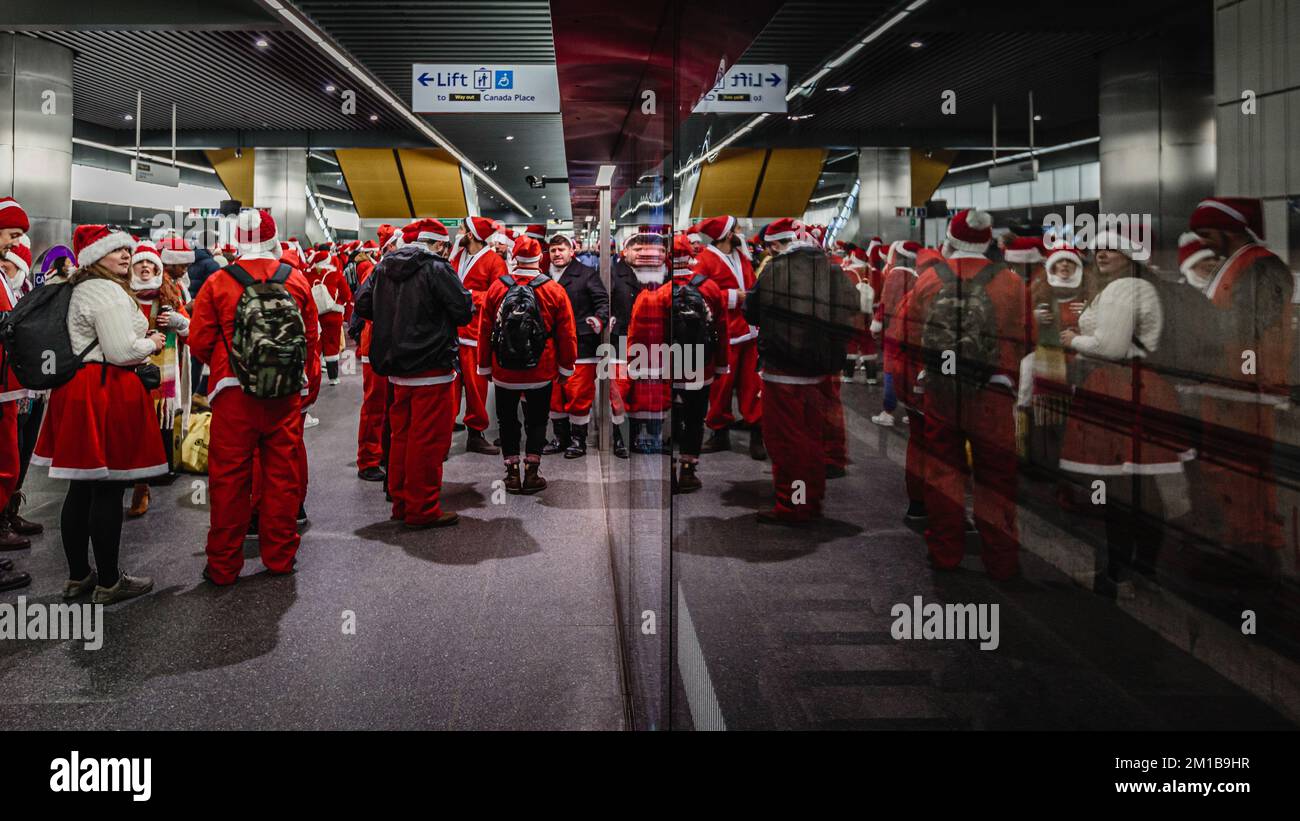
[
  {"x": 36, "y": 135},
  {"x": 1157, "y": 147},
  {"x": 1257, "y": 50},
  {"x": 886, "y": 177},
  {"x": 280, "y": 186}
]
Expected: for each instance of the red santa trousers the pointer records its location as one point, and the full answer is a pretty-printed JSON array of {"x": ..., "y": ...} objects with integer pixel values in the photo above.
[
  {"x": 983, "y": 417},
  {"x": 834, "y": 441},
  {"x": 9, "y": 463},
  {"x": 370, "y": 427},
  {"x": 742, "y": 359},
  {"x": 473, "y": 387},
  {"x": 572, "y": 399},
  {"x": 249, "y": 434},
  {"x": 331, "y": 336},
  {"x": 914, "y": 467},
  {"x": 794, "y": 431},
  {"x": 1239, "y": 480},
  {"x": 619, "y": 387},
  {"x": 421, "y": 417}
]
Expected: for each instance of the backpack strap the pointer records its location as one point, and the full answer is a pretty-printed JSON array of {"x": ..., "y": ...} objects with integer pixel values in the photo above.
[
  {"x": 281, "y": 276},
  {"x": 241, "y": 276},
  {"x": 508, "y": 280},
  {"x": 986, "y": 274},
  {"x": 698, "y": 280},
  {"x": 538, "y": 281},
  {"x": 946, "y": 274}
]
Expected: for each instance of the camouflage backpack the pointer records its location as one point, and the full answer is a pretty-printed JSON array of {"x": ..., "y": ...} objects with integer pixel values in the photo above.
[
  {"x": 959, "y": 340},
  {"x": 268, "y": 349}
]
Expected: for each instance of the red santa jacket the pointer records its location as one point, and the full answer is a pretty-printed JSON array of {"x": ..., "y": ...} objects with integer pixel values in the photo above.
[
  {"x": 1255, "y": 288},
  {"x": 561, "y": 346},
  {"x": 10, "y": 389},
  {"x": 214, "y": 315},
  {"x": 733, "y": 274},
  {"x": 477, "y": 272},
  {"x": 1006, "y": 290},
  {"x": 364, "y": 268},
  {"x": 650, "y": 324}
]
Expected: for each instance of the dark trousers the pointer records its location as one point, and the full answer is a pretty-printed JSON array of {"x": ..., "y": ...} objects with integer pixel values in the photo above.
[
  {"x": 537, "y": 410},
  {"x": 689, "y": 410},
  {"x": 92, "y": 518},
  {"x": 29, "y": 425}
]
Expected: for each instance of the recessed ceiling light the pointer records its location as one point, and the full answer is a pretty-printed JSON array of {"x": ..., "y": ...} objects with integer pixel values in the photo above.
[
  {"x": 543, "y": 196},
  {"x": 510, "y": 136},
  {"x": 797, "y": 117},
  {"x": 840, "y": 89},
  {"x": 525, "y": 168},
  {"x": 1038, "y": 117},
  {"x": 129, "y": 117},
  {"x": 330, "y": 88},
  {"x": 262, "y": 42},
  {"x": 916, "y": 44},
  {"x": 374, "y": 118}
]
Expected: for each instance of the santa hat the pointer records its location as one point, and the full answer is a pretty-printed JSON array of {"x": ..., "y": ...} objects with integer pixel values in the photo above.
[
  {"x": 385, "y": 232},
  {"x": 91, "y": 243},
  {"x": 289, "y": 255},
  {"x": 902, "y": 254},
  {"x": 558, "y": 238},
  {"x": 537, "y": 232},
  {"x": 255, "y": 233},
  {"x": 714, "y": 228},
  {"x": 1115, "y": 241},
  {"x": 370, "y": 245},
  {"x": 21, "y": 256},
  {"x": 784, "y": 229},
  {"x": 682, "y": 252},
  {"x": 1067, "y": 254},
  {"x": 322, "y": 259},
  {"x": 145, "y": 252},
  {"x": 174, "y": 250},
  {"x": 480, "y": 228},
  {"x": 425, "y": 230},
  {"x": 876, "y": 255},
  {"x": 971, "y": 230},
  {"x": 1025, "y": 250},
  {"x": 527, "y": 252},
  {"x": 12, "y": 215},
  {"x": 1191, "y": 250},
  {"x": 1237, "y": 214}
]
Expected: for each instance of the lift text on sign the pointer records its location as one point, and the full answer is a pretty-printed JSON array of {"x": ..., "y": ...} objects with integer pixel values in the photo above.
[
  {"x": 748, "y": 88},
  {"x": 470, "y": 88}
]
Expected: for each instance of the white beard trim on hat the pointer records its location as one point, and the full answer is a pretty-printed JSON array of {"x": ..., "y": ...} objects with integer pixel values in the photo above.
[
  {"x": 651, "y": 275},
  {"x": 20, "y": 272}
]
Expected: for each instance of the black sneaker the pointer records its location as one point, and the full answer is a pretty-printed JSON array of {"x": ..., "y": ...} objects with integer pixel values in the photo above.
[
  {"x": 302, "y": 515},
  {"x": 719, "y": 441},
  {"x": 252, "y": 528},
  {"x": 915, "y": 510},
  {"x": 372, "y": 474}
]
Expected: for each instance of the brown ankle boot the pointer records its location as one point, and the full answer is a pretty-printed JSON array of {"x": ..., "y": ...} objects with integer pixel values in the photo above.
[
  {"x": 687, "y": 480},
  {"x": 512, "y": 479},
  {"x": 9, "y": 540},
  {"x": 139, "y": 501},
  {"x": 17, "y": 523},
  {"x": 533, "y": 481}
]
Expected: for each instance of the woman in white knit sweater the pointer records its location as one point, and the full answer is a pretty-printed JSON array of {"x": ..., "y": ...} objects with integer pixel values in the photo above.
[
  {"x": 99, "y": 431},
  {"x": 1119, "y": 407}
]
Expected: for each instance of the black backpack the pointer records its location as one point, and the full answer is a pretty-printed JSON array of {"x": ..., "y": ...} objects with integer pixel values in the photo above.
[
  {"x": 1190, "y": 342},
  {"x": 692, "y": 319},
  {"x": 268, "y": 348},
  {"x": 519, "y": 335},
  {"x": 959, "y": 339},
  {"x": 35, "y": 338}
]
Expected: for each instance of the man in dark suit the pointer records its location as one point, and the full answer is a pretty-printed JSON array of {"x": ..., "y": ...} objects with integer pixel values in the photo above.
[{"x": 572, "y": 399}]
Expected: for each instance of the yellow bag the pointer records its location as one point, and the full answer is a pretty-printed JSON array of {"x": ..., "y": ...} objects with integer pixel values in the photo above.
[{"x": 194, "y": 450}]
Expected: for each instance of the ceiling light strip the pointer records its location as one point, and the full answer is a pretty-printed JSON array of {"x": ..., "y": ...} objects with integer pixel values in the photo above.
[
  {"x": 319, "y": 39},
  {"x": 130, "y": 152},
  {"x": 1026, "y": 155}
]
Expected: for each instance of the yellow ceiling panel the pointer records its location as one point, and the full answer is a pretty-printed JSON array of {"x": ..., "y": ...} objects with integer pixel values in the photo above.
[
  {"x": 434, "y": 182},
  {"x": 235, "y": 173},
  {"x": 375, "y": 182},
  {"x": 788, "y": 182},
  {"x": 727, "y": 185},
  {"x": 928, "y": 169}
]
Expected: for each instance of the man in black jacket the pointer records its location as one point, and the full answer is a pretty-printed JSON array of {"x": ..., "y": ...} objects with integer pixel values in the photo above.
[
  {"x": 572, "y": 400},
  {"x": 415, "y": 305},
  {"x": 806, "y": 312}
]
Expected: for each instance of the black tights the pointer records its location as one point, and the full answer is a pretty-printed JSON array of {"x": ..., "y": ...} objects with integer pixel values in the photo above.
[
  {"x": 689, "y": 410},
  {"x": 1134, "y": 534},
  {"x": 92, "y": 517}
]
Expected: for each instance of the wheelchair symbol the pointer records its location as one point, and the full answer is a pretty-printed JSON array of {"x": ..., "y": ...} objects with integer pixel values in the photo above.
[{"x": 505, "y": 79}]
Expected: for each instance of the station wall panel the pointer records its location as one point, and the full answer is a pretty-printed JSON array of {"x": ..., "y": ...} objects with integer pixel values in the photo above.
[
  {"x": 434, "y": 182},
  {"x": 375, "y": 181},
  {"x": 235, "y": 173},
  {"x": 788, "y": 182}
]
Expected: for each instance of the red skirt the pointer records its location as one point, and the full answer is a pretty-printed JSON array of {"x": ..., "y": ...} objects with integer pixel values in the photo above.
[
  {"x": 1109, "y": 431},
  {"x": 101, "y": 425}
]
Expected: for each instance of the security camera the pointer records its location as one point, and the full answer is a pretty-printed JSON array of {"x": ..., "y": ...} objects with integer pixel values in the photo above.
[{"x": 535, "y": 181}]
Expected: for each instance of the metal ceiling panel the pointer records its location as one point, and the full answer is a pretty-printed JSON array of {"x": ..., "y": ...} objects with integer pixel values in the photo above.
[
  {"x": 788, "y": 181},
  {"x": 728, "y": 185},
  {"x": 433, "y": 182},
  {"x": 375, "y": 181},
  {"x": 235, "y": 172}
]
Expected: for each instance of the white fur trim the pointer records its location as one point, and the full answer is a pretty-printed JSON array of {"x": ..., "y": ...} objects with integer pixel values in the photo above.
[
  {"x": 1111, "y": 241},
  {"x": 150, "y": 256},
  {"x": 420, "y": 381},
  {"x": 104, "y": 246},
  {"x": 18, "y": 262},
  {"x": 170, "y": 257},
  {"x": 778, "y": 236},
  {"x": 962, "y": 245},
  {"x": 1186, "y": 265},
  {"x": 1023, "y": 256}
]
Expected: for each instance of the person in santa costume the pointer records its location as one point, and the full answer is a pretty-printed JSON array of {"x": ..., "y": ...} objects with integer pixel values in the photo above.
[
  {"x": 100, "y": 430},
  {"x": 162, "y": 302},
  {"x": 1197, "y": 261},
  {"x": 13, "y": 227},
  {"x": 371, "y": 452},
  {"x": 724, "y": 261},
  {"x": 896, "y": 282},
  {"x": 332, "y": 294},
  {"x": 905, "y": 364},
  {"x": 651, "y": 324},
  {"x": 805, "y": 322},
  {"x": 538, "y": 232},
  {"x": 247, "y": 431},
  {"x": 642, "y": 266},
  {"x": 572, "y": 399},
  {"x": 17, "y": 264},
  {"x": 415, "y": 302},
  {"x": 533, "y": 385},
  {"x": 957, "y": 411},
  {"x": 478, "y": 268},
  {"x": 1247, "y": 385},
  {"x": 1111, "y": 432}
]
